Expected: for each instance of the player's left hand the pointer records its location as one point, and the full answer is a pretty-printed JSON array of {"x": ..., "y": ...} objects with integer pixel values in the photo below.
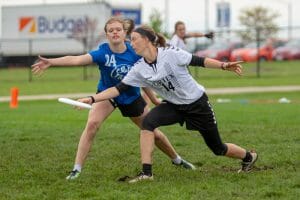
[
  {"x": 233, "y": 66},
  {"x": 210, "y": 35}
]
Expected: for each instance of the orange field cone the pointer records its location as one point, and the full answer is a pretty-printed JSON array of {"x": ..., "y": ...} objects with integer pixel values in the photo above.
[{"x": 14, "y": 92}]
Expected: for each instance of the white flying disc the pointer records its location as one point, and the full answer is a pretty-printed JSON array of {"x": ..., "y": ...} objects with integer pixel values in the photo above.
[{"x": 74, "y": 103}]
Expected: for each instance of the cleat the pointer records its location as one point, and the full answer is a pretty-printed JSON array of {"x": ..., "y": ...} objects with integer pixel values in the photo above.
[
  {"x": 73, "y": 175},
  {"x": 247, "y": 166},
  {"x": 141, "y": 177},
  {"x": 185, "y": 164}
]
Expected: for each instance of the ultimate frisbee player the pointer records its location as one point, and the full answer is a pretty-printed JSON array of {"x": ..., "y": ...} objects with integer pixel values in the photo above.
[{"x": 164, "y": 69}]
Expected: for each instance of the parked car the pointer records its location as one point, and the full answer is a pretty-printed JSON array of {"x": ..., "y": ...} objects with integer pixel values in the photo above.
[
  {"x": 220, "y": 50},
  {"x": 289, "y": 51},
  {"x": 249, "y": 52}
]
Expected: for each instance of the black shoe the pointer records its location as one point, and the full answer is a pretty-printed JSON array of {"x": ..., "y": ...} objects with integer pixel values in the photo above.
[
  {"x": 141, "y": 177},
  {"x": 185, "y": 164},
  {"x": 247, "y": 166},
  {"x": 73, "y": 175}
]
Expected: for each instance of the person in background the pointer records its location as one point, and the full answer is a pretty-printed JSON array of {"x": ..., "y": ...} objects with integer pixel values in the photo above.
[
  {"x": 114, "y": 59},
  {"x": 180, "y": 35},
  {"x": 164, "y": 69},
  {"x": 128, "y": 27}
]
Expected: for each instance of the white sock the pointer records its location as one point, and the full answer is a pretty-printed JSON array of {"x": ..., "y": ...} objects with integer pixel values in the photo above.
[
  {"x": 177, "y": 160},
  {"x": 77, "y": 167}
]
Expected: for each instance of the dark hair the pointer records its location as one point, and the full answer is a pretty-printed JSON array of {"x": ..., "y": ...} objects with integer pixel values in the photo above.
[
  {"x": 157, "y": 39},
  {"x": 129, "y": 26},
  {"x": 112, "y": 20}
]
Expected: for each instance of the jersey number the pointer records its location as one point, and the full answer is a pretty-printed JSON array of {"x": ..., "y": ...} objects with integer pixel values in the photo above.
[
  {"x": 110, "y": 60},
  {"x": 169, "y": 86}
]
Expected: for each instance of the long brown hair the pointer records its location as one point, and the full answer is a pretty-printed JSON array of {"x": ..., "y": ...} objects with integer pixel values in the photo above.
[{"x": 157, "y": 39}]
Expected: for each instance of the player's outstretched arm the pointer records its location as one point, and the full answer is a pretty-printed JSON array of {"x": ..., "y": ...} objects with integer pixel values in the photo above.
[
  {"x": 43, "y": 63},
  {"x": 209, "y": 35},
  {"x": 229, "y": 66},
  {"x": 109, "y": 93},
  {"x": 193, "y": 34}
]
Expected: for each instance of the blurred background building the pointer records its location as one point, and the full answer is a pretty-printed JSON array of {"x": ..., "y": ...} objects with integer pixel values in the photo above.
[{"x": 53, "y": 27}]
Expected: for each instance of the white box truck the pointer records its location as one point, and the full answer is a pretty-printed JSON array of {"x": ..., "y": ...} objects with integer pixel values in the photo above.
[{"x": 52, "y": 29}]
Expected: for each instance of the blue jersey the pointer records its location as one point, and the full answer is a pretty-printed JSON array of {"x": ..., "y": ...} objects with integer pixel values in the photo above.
[{"x": 113, "y": 67}]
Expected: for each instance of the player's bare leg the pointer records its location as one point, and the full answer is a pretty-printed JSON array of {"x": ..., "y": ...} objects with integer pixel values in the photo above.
[
  {"x": 249, "y": 157},
  {"x": 97, "y": 115},
  {"x": 163, "y": 143}
]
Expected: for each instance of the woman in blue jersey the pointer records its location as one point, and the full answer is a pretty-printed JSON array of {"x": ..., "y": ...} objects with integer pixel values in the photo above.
[
  {"x": 114, "y": 59},
  {"x": 164, "y": 69}
]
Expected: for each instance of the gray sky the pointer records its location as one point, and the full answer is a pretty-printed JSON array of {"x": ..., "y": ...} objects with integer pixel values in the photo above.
[{"x": 192, "y": 12}]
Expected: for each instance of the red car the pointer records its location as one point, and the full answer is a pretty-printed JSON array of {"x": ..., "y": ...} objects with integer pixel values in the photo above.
[
  {"x": 220, "y": 50},
  {"x": 249, "y": 52},
  {"x": 289, "y": 51}
]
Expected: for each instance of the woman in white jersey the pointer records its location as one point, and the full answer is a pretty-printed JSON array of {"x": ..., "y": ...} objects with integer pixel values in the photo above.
[
  {"x": 180, "y": 35},
  {"x": 164, "y": 69}
]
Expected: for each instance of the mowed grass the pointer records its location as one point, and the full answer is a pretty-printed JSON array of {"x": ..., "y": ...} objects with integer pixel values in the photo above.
[
  {"x": 71, "y": 79},
  {"x": 39, "y": 140}
]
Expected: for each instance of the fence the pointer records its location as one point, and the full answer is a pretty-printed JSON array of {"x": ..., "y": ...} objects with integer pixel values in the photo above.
[{"x": 23, "y": 52}]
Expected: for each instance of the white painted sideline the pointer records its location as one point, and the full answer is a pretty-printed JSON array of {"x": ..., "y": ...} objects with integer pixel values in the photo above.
[
  {"x": 210, "y": 91},
  {"x": 45, "y": 97},
  {"x": 259, "y": 89}
]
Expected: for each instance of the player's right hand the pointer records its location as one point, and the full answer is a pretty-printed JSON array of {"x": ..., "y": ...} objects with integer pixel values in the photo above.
[
  {"x": 87, "y": 100},
  {"x": 40, "y": 66}
]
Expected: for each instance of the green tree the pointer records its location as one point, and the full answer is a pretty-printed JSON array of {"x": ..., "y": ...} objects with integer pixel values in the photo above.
[
  {"x": 156, "y": 21},
  {"x": 258, "y": 20}
]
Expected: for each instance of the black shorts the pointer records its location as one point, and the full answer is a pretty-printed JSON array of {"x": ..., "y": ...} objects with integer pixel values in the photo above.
[
  {"x": 197, "y": 115},
  {"x": 135, "y": 109}
]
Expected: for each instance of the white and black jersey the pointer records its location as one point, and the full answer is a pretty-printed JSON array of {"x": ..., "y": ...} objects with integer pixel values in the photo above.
[{"x": 168, "y": 76}]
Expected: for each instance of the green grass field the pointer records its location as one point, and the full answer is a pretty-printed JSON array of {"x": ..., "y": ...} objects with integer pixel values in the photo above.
[{"x": 39, "y": 141}]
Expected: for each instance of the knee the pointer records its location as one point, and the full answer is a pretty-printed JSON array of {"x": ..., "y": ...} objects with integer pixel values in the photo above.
[
  {"x": 149, "y": 124},
  {"x": 92, "y": 126},
  {"x": 158, "y": 135},
  {"x": 219, "y": 150}
]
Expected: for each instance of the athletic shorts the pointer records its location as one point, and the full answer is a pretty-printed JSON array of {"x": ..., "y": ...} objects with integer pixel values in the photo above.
[
  {"x": 135, "y": 109},
  {"x": 197, "y": 115}
]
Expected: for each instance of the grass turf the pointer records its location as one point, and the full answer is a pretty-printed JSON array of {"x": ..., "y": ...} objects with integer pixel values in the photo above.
[{"x": 39, "y": 141}]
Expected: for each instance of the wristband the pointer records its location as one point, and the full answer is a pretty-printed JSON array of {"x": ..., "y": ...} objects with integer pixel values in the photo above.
[{"x": 93, "y": 99}]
